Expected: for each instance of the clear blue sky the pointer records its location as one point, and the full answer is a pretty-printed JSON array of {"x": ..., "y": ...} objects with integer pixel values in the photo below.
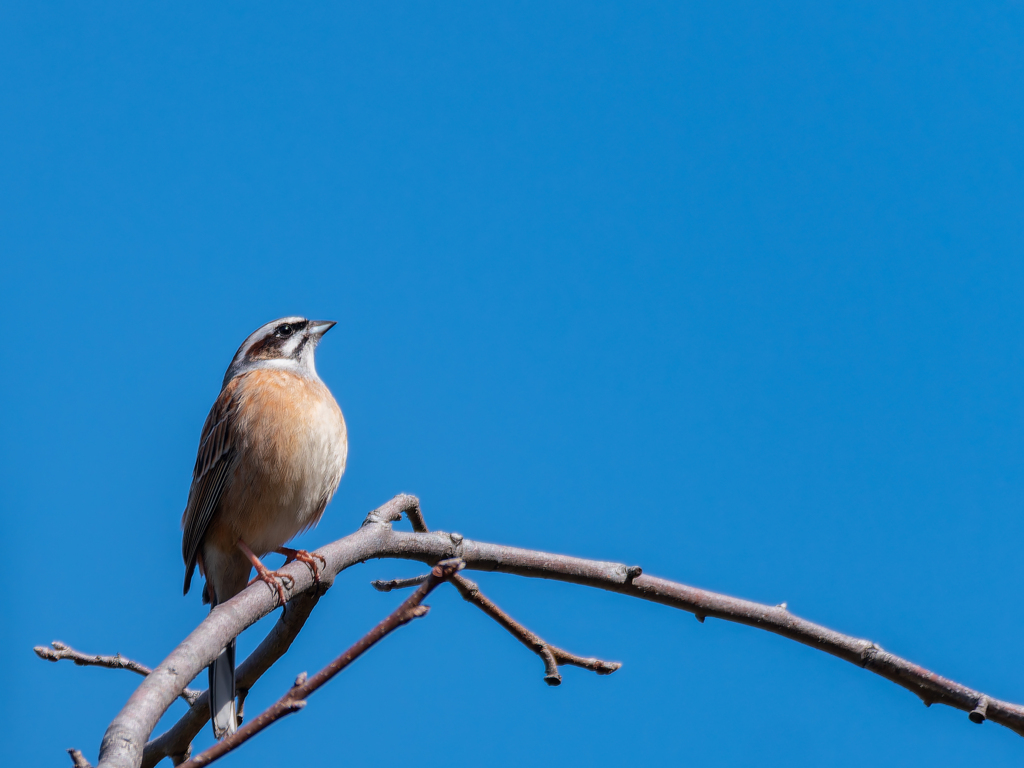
[{"x": 730, "y": 293}]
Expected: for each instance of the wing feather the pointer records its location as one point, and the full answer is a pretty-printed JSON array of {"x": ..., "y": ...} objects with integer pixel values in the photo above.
[{"x": 215, "y": 461}]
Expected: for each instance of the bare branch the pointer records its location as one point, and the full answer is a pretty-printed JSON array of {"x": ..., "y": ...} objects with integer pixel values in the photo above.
[
  {"x": 123, "y": 741},
  {"x": 77, "y": 758},
  {"x": 176, "y": 742},
  {"x": 295, "y": 699},
  {"x": 117, "y": 661}
]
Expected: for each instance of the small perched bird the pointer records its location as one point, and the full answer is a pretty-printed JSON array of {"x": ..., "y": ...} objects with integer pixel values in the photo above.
[{"x": 271, "y": 455}]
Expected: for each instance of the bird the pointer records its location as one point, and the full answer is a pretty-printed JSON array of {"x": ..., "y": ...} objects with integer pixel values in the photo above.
[{"x": 271, "y": 454}]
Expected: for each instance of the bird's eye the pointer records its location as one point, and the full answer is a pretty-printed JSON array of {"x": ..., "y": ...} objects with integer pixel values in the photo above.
[{"x": 285, "y": 330}]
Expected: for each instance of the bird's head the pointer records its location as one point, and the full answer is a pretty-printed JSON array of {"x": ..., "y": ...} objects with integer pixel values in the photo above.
[{"x": 288, "y": 343}]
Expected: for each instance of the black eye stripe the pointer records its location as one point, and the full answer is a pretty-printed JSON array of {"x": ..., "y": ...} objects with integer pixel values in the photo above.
[{"x": 287, "y": 330}]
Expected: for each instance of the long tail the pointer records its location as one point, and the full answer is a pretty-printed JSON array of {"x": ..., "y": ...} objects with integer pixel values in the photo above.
[{"x": 222, "y": 693}]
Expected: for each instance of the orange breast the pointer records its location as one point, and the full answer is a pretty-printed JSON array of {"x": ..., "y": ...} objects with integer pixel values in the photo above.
[{"x": 292, "y": 445}]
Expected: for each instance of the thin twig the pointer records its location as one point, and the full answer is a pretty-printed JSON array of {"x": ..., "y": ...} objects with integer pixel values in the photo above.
[
  {"x": 77, "y": 758},
  {"x": 551, "y": 655},
  {"x": 295, "y": 699},
  {"x": 117, "y": 661},
  {"x": 390, "y": 584}
]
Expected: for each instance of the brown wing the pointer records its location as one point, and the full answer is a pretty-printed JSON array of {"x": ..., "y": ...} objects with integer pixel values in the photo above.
[{"x": 214, "y": 464}]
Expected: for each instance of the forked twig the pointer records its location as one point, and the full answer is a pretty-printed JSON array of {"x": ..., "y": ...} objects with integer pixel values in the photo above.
[{"x": 551, "y": 655}]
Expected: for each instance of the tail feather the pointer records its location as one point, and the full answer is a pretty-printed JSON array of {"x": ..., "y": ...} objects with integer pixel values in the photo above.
[{"x": 222, "y": 693}]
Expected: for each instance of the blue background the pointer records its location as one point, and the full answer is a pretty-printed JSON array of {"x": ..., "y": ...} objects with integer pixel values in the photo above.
[{"x": 734, "y": 294}]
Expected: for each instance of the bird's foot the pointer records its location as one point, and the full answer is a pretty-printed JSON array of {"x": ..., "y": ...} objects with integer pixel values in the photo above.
[
  {"x": 275, "y": 579},
  {"x": 304, "y": 557}
]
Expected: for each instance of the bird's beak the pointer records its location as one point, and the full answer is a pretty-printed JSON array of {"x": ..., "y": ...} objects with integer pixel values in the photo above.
[{"x": 318, "y": 328}]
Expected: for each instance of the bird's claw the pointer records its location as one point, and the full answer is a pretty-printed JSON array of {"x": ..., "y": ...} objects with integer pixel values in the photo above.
[
  {"x": 276, "y": 581},
  {"x": 304, "y": 556}
]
